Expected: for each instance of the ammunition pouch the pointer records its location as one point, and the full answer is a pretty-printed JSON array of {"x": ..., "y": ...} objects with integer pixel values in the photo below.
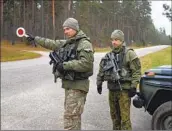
[
  {"x": 113, "y": 86},
  {"x": 82, "y": 75},
  {"x": 72, "y": 75},
  {"x": 108, "y": 75},
  {"x": 68, "y": 75}
]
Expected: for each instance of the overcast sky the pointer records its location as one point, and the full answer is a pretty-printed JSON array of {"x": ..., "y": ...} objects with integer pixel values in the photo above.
[{"x": 159, "y": 19}]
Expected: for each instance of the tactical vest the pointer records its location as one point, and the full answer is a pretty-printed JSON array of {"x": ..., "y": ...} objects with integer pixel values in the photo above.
[
  {"x": 124, "y": 70},
  {"x": 69, "y": 52}
]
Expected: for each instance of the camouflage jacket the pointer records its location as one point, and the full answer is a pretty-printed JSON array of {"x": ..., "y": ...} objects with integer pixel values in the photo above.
[
  {"x": 130, "y": 70},
  {"x": 83, "y": 63}
]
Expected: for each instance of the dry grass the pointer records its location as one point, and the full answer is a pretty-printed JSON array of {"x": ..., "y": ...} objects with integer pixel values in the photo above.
[
  {"x": 162, "y": 57},
  {"x": 97, "y": 49},
  {"x": 15, "y": 52}
]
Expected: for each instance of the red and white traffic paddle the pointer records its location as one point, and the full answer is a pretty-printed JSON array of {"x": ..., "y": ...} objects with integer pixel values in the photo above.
[{"x": 20, "y": 32}]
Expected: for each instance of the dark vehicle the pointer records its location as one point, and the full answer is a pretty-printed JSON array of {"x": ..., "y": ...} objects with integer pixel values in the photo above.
[{"x": 155, "y": 96}]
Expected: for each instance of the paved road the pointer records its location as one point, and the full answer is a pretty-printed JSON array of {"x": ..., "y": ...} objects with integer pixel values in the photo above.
[{"x": 31, "y": 101}]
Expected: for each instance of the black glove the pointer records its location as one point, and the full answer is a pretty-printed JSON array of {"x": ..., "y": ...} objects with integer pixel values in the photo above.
[
  {"x": 30, "y": 37},
  {"x": 132, "y": 92},
  {"x": 60, "y": 67},
  {"x": 99, "y": 89}
]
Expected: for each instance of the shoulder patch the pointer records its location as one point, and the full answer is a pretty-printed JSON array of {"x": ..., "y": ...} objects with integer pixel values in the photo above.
[{"x": 85, "y": 45}]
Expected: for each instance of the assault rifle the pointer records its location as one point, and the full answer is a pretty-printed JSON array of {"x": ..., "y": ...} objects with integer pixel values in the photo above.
[
  {"x": 115, "y": 74},
  {"x": 56, "y": 59}
]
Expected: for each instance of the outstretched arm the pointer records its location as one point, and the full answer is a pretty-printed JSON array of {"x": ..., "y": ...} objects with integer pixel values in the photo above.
[{"x": 48, "y": 43}]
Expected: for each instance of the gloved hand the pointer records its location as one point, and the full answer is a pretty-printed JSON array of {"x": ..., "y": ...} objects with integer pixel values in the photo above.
[
  {"x": 60, "y": 67},
  {"x": 99, "y": 89},
  {"x": 30, "y": 37},
  {"x": 132, "y": 92}
]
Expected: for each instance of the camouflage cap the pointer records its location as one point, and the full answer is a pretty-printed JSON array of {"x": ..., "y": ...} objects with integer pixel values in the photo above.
[
  {"x": 117, "y": 34},
  {"x": 71, "y": 23}
]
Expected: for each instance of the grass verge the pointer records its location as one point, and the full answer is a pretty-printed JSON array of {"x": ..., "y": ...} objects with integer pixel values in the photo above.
[
  {"x": 97, "y": 49},
  {"x": 15, "y": 52},
  {"x": 162, "y": 57}
]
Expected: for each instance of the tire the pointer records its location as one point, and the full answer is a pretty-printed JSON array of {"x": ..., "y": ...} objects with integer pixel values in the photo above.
[{"x": 162, "y": 117}]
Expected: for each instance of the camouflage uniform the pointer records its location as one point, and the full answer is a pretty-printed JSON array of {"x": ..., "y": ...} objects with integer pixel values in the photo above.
[
  {"x": 119, "y": 101},
  {"x": 74, "y": 106},
  {"x": 76, "y": 90}
]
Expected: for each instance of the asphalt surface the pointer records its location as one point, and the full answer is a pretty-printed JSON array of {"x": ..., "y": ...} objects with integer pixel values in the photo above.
[{"x": 30, "y": 100}]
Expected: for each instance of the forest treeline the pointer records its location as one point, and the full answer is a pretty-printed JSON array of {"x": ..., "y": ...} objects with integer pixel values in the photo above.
[{"x": 97, "y": 18}]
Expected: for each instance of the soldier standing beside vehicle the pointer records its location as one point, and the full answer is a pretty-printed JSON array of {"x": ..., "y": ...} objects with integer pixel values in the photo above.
[
  {"x": 123, "y": 86},
  {"x": 81, "y": 66}
]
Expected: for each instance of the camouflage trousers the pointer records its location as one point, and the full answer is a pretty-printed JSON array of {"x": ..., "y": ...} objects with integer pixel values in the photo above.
[
  {"x": 119, "y": 103},
  {"x": 74, "y": 106}
]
